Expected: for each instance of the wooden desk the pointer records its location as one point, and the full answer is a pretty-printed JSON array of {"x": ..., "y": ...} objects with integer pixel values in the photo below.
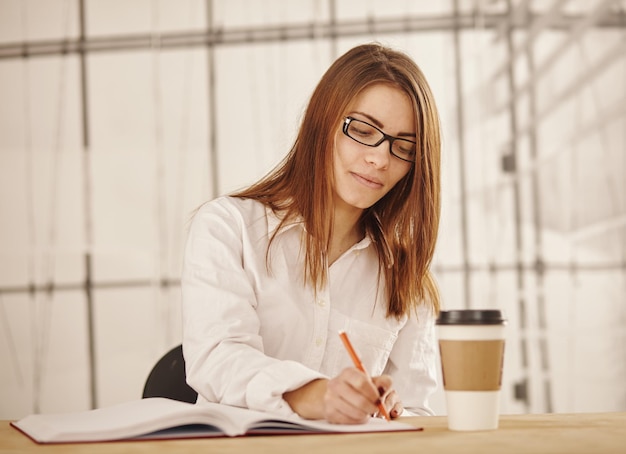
[{"x": 548, "y": 433}]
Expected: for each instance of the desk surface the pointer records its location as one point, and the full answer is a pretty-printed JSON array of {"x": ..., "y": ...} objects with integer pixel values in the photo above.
[{"x": 545, "y": 433}]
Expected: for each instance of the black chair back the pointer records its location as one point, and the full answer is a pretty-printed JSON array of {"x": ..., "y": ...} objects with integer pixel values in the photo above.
[{"x": 168, "y": 378}]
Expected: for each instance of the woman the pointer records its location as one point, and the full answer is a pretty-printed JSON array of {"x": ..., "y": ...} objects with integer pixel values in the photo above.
[{"x": 339, "y": 236}]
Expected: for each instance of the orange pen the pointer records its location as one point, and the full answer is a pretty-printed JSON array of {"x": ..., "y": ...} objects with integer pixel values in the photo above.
[{"x": 359, "y": 365}]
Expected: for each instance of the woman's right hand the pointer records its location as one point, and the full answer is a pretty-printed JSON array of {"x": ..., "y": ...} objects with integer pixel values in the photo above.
[{"x": 351, "y": 397}]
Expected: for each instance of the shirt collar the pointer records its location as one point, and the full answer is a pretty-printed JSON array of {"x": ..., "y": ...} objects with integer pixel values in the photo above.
[{"x": 273, "y": 221}]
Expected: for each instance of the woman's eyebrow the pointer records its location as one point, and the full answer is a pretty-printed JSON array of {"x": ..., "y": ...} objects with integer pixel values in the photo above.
[
  {"x": 372, "y": 119},
  {"x": 378, "y": 124}
]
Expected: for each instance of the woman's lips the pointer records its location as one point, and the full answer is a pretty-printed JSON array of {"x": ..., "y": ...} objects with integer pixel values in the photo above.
[{"x": 369, "y": 181}]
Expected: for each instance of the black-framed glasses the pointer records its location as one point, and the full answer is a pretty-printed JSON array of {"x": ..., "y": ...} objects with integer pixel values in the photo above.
[{"x": 366, "y": 134}]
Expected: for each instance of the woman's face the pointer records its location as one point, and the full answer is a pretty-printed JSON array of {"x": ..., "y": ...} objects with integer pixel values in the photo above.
[{"x": 363, "y": 174}]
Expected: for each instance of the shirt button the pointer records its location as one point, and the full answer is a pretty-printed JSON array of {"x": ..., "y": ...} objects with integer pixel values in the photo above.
[
  {"x": 319, "y": 341},
  {"x": 321, "y": 303}
]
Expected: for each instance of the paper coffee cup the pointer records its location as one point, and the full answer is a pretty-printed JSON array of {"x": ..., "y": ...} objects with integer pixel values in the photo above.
[{"x": 471, "y": 346}]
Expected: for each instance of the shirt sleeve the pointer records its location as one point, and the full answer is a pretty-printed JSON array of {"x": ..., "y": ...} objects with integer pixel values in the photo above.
[
  {"x": 413, "y": 361},
  {"x": 224, "y": 355}
]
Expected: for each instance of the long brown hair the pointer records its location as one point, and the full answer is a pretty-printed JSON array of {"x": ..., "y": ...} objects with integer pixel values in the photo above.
[{"x": 404, "y": 223}]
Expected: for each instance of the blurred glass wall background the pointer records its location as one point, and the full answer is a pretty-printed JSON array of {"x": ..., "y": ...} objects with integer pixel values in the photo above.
[{"x": 119, "y": 117}]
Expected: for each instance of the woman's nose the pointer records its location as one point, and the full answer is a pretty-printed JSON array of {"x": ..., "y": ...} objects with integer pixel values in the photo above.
[{"x": 379, "y": 156}]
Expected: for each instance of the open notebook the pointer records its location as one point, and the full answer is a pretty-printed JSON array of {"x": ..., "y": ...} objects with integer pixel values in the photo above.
[{"x": 165, "y": 418}]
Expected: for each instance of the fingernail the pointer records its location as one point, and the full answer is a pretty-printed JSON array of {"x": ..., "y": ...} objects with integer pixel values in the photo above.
[{"x": 381, "y": 390}]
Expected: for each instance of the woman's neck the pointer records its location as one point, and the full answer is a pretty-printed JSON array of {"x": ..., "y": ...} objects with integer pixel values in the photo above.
[{"x": 347, "y": 232}]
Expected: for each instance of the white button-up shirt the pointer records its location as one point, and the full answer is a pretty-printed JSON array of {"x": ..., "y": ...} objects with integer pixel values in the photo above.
[{"x": 252, "y": 330}]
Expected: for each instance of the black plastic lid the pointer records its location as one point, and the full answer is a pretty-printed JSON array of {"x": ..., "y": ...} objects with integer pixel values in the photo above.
[{"x": 471, "y": 317}]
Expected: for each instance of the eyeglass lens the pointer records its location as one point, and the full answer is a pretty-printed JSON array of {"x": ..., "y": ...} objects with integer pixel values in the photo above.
[{"x": 369, "y": 135}]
